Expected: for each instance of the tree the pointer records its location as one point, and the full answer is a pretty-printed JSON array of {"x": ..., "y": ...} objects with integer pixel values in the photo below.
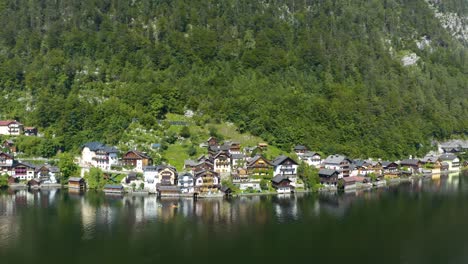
[
  {"x": 185, "y": 132},
  {"x": 142, "y": 186},
  {"x": 3, "y": 180},
  {"x": 94, "y": 178},
  {"x": 264, "y": 184},
  {"x": 67, "y": 167},
  {"x": 192, "y": 150}
]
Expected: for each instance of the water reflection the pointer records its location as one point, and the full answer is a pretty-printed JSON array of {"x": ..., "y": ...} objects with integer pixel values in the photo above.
[{"x": 95, "y": 214}]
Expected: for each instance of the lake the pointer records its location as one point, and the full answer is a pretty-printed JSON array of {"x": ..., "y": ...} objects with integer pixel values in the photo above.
[{"x": 423, "y": 221}]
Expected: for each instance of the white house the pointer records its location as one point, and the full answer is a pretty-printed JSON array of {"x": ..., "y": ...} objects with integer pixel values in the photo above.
[
  {"x": 339, "y": 163},
  {"x": 284, "y": 165},
  {"x": 99, "y": 155},
  {"x": 186, "y": 183},
  {"x": 23, "y": 171},
  {"x": 155, "y": 176},
  {"x": 311, "y": 159},
  {"x": 222, "y": 163},
  {"x": 452, "y": 161},
  {"x": 6, "y": 163},
  {"x": 11, "y": 128}
]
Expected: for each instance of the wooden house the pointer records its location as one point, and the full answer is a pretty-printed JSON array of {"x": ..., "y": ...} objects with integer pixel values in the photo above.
[
  {"x": 207, "y": 182},
  {"x": 113, "y": 189},
  {"x": 167, "y": 190},
  {"x": 137, "y": 160},
  {"x": 9, "y": 145},
  {"x": 47, "y": 173},
  {"x": 76, "y": 183},
  {"x": 34, "y": 183},
  {"x": 282, "y": 184},
  {"x": 235, "y": 148},
  {"x": 328, "y": 176},
  {"x": 414, "y": 165},
  {"x": 259, "y": 166},
  {"x": 226, "y": 190},
  {"x": 352, "y": 182},
  {"x": 212, "y": 141}
]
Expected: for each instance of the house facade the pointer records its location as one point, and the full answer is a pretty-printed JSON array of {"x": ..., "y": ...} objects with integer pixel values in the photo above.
[
  {"x": 259, "y": 166},
  {"x": 452, "y": 161},
  {"x": 284, "y": 165},
  {"x": 328, "y": 176},
  {"x": 339, "y": 163},
  {"x": 207, "y": 182},
  {"x": 222, "y": 163},
  {"x": 99, "y": 155},
  {"x": 186, "y": 183},
  {"x": 47, "y": 173},
  {"x": 11, "y": 128},
  {"x": 136, "y": 160},
  {"x": 311, "y": 159},
  {"x": 6, "y": 163},
  {"x": 24, "y": 171},
  {"x": 282, "y": 184}
]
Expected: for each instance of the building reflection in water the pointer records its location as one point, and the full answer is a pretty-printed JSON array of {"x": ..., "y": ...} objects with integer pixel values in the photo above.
[{"x": 97, "y": 213}]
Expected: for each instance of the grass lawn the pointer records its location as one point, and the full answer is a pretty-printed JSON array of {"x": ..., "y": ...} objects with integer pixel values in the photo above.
[{"x": 176, "y": 153}]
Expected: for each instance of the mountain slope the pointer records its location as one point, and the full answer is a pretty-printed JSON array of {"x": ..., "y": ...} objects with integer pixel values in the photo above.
[{"x": 328, "y": 74}]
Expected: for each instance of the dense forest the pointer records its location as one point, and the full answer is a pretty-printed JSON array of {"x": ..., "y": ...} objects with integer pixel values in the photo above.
[{"x": 324, "y": 73}]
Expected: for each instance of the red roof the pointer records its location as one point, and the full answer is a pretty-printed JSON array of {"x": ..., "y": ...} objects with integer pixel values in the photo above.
[{"x": 8, "y": 122}]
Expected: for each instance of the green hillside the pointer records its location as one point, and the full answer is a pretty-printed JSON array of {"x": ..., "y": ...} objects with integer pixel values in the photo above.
[{"x": 329, "y": 74}]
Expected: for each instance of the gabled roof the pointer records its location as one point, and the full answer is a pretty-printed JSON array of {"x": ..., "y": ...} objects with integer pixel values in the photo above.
[
  {"x": 256, "y": 158},
  {"x": 327, "y": 172},
  {"x": 300, "y": 147},
  {"x": 237, "y": 156},
  {"x": 335, "y": 159},
  {"x": 185, "y": 174},
  {"x": 448, "y": 156},
  {"x": 203, "y": 172},
  {"x": 26, "y": 164},
  {"x": 221, "y": 153},
  {"x": 9, "y": 141},
  {"x": 387, "y": 163},
  {"x": 310, "y": 154},
  {"x": 411, "y": 162},
  {"x": 75, "y": 179},
  {"x": 113, "y": 186},
  {"x": 8, "y": 122},
  {"x": 6, "y": 154},
  {"x": 281, "y": 159},
  {"x": 49, "y": 167},
  {"x": 93, "y": 146},
  {"x": 279, "y": 178},
  {"x": 139, "y": 154}
]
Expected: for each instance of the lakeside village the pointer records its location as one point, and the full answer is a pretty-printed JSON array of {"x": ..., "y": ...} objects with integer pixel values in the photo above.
[{"x": 227, "y": 168}]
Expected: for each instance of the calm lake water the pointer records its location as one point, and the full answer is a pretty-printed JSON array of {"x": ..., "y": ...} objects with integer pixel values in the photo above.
[{"x": 424, "y": 221}]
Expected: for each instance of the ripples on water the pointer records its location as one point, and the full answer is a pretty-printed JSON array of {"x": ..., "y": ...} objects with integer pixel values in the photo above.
[{"x": 397, "y": 221}]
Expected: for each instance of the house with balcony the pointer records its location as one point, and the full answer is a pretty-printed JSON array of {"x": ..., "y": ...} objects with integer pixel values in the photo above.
[
  {"x": 6, "y": 163},
  {"x": 259, "y": 166},
  {"x": 282, "y": 184},
  {"x": 136, "y": 160},
  {"x": 328, "y": 176},
  {"x": 222, "y": 163},
  {"x": 311, "y": 158},
  {"x": 338, "y": 163},
  {"x": 30, "y": 131},
  {"x": 390, "y": 168},
  {"x": 286, "y": 166},
  {"x": 411, "y": 165},
  {"x": 11, "y": 128},
  {"x": 207, "y": 182},
  {"x": 98, "y": 155},
  {"x": 24, "y": 171},
  {"x": 186, "y": 183}
]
